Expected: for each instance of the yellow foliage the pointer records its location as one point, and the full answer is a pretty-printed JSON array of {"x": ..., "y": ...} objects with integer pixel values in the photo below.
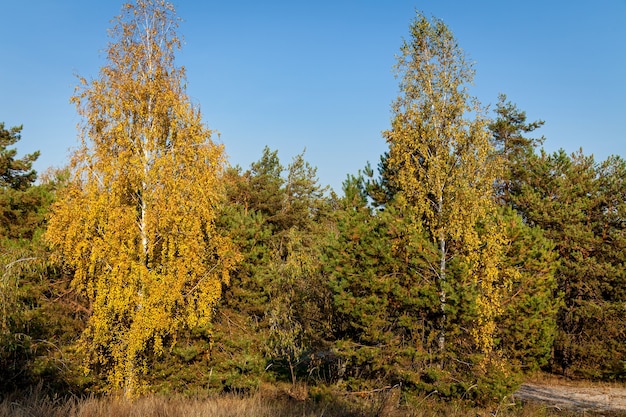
[
  {"x": 136, "y": 221},
  {"x": 444, "y": 165}
]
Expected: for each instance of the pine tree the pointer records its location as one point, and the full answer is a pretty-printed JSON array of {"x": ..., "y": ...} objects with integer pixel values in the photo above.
[
  {"x": 528, "y": 325},
  {"x": 295, "y": 289},
  {"x": 21, "y": 202},
  {"x": 510, "y": 143},
  {"x": 579, "y": 204},
  {"x": 277, "y": 217},
  {"x": 384, "y": 309},
  {"x": 15, "y": 173},
  {"x": 36, "y": 321},
  {"x": 21, "y": 214}
]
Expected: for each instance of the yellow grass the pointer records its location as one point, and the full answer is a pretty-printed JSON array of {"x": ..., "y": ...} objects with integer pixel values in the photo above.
[{"x": 264, "y": 403}]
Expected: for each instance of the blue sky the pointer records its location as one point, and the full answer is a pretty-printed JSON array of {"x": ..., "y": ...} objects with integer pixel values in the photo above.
[{"x": 317, "y": 75}]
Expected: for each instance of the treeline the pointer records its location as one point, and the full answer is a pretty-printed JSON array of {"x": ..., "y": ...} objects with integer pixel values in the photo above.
[{"x": 468, "y": 259}]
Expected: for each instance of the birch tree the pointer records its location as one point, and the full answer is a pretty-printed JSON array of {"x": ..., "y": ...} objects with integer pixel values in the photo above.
[
  {"x": 136, "y": 221},
  {"x": 443, "y": 164}
]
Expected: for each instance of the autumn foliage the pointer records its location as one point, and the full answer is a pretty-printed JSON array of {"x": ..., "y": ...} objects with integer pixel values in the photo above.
[
  {"x": 135, "y": 222},
  {"x": 468, "y": 260}
]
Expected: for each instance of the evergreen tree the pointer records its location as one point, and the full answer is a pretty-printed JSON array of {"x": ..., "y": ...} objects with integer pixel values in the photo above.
[
  {"x": 269, "y": 316},
  {"x": 296, "y": 322},
  {"x": 384, "y": 309},
  {"x": 580, "y": 204},
  {"x": 21, "y": 202},
  {"x": 20, "y": 216},
  {"x": 527, "y": 327},
  {"x": 38, "y": 315},
  {"x": 16, "y": 174},
  {"x": 511, "y": 145}
]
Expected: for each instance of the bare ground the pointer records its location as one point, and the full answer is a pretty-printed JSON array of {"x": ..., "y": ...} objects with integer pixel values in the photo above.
[{"x": 593, "y": 398}]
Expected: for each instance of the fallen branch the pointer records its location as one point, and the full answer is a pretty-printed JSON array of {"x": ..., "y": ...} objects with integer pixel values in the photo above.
[
  {"x": 10, "y": 264},
  {"x": 374, "y": 391}
]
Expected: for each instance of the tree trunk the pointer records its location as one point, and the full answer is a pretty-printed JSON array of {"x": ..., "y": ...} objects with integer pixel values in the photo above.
[{"x": 442, "y": 295}]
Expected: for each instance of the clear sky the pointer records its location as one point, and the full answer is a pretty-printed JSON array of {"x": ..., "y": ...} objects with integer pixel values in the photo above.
[{"x": 317, "y": 75}]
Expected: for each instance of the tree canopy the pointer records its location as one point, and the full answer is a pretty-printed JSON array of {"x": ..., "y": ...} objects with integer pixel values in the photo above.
[
  {"x": 444, "y": 167},
  {"x": 136, "y": 221}
]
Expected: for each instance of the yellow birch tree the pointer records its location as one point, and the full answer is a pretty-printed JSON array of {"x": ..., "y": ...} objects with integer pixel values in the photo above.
[
  {"x": 443, "y": 164},
  {"x": 136, "y": 222}
]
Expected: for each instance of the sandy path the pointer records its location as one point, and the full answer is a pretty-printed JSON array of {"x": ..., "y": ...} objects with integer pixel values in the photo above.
[{"x": 599, "y": 399}]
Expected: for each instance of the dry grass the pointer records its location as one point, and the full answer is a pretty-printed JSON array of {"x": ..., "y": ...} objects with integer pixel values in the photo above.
[
  {"x": 266, "y": 403},
  {"x": 541, "y": 378},
  {"x": 154, "y": 406}
]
